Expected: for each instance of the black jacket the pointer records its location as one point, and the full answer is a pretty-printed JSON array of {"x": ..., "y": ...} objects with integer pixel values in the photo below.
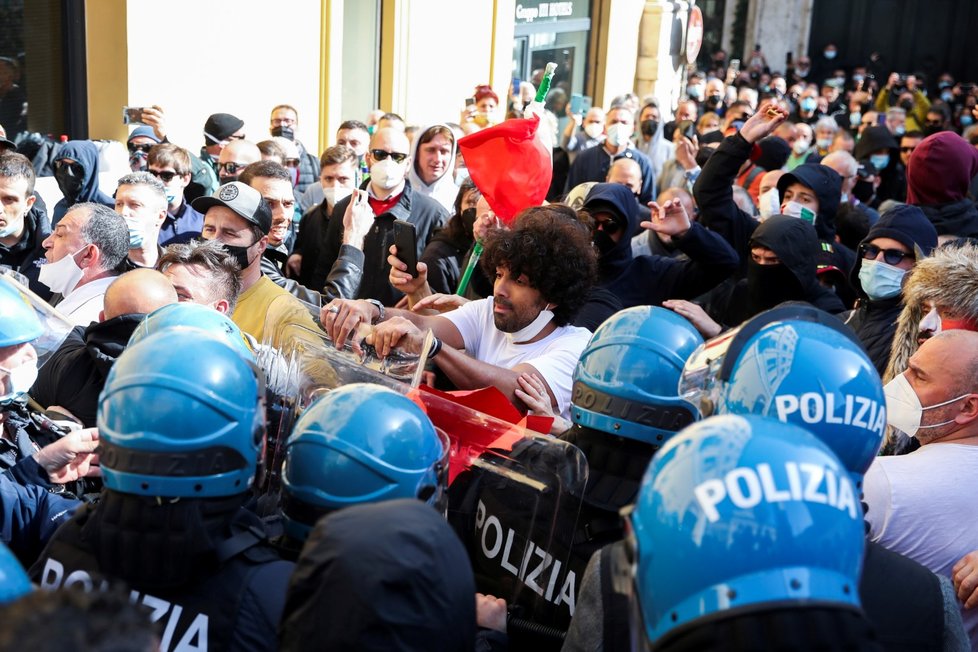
[
  {"x": 444, "y": 258},
  {"x": 75, "y": 374},
  {"x": 382, "y": 576},
  {"x": 874, "y": 323},
  {"x": 27, "y": 256},
  {"x": 424, "y": 213},
  {"x": 309, "y": 240},
  {"x": 958, "y": 218},
  {"x": 650, "y": 280}
]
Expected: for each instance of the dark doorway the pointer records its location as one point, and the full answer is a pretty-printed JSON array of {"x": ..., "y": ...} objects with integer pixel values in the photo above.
[{"x": 910, "y": 36}]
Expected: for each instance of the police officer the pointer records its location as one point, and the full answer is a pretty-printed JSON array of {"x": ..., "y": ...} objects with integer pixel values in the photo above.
[
  {"x": 357, "y": 444},
  {"x": 624, "y": 407},
  {"x": 29, "y": 332},
  {"x": 718, "y": 553},
  {"x": 802, "y": 366},
  {"x": 181, "y": 425}
]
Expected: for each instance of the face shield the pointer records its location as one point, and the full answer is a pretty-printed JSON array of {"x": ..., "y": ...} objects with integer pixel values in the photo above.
[
  {"x": 19, "y": 325},
  {"x": 701, "y": 383}
]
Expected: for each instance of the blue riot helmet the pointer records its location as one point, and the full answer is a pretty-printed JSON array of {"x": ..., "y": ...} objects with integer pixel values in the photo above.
[
  {"x": 738, "y": 514},
  {"x": 181, "y": 415},
  {"x": 14, "y": 582},
  {"x": 360, "y": 443},
  {"x": 800, "y": 365},
  {"x": 191, "y": 315},
  {"x": 19, "y": 322},
  {"x": 626, "y": 379}
]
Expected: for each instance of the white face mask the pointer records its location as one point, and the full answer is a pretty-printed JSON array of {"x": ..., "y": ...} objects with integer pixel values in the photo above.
[
  {"x": 593, "y": 129},
  {"x": 335, "y": 194},
  {"x": 903, "y": 409},
  {"x": 532, "y": 329},
  {"x": 769, "y": 203},
  {"x": 618, "y": 134},
  {"x": 11, "y": 228},
  {"x": 387, "y": 174},
  {"x": 794, "y": 209},
  {"x": 19, "y": 381},
  {"x": 61, "y": 276},
  {"x": 800, "y": 147}
]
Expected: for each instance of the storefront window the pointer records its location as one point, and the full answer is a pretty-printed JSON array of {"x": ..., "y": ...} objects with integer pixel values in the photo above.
[
  {"x": 37, "y": 75},
  {"x": 552, "y": 31}
]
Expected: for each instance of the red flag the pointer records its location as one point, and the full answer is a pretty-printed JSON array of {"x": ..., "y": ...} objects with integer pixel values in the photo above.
[{"x": 510, "y": 165}]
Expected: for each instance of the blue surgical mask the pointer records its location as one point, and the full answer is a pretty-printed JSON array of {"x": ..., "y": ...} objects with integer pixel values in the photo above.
[
  {"x": 854, "y": 118},
  {"x": 858, "y": 78},
  {"x": 879, "y": 280},
  {"x": 900, "y": 130},
  {"x": 966, "y": 120},
  {"x": 808, "y": 103},
  {"x": 947, "y": 96},
  {"x": 135, "y": 233},
  {"x": 879, "y": 161},
  {"x": 170, "y": 196},
  {"x": 829, "y": 54}
]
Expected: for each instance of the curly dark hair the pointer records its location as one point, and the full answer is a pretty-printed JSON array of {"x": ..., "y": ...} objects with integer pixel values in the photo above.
[{"x": 553, "y": 248}]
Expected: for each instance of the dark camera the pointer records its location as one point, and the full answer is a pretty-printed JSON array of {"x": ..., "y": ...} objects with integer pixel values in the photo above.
[{"x": 687, "y": 129}]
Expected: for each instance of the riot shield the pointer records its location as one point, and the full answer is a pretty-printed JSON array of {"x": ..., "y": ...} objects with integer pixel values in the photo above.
[
  {"x": 300, "y": 362},
  {"x": 56, "y": 326},
  {"x": 514, "y": 500}
]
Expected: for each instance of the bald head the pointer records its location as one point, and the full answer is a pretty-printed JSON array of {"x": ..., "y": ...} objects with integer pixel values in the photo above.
[
  {"x": 843, "y": 163},
  {"x": 388, "y": 137},
  {"x": 241, "y": 152},
  {"x": 627, "y": 172},
  {"x": 682, "y": 195},
  {"x": 140, "y": 291},
  {"x": 770, "y": 180}
]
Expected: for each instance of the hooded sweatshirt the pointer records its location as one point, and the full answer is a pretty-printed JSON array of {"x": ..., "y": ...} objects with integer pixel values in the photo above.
[
  {"x": 85, "y": 153},
  {"x": 444, "y": 189},
  {"x": 75, "y": 374},
  {"x": 892, "y": 178},
  {"x": 650, "y": 280},
  {"x": 938, "y": 176},
  {"x": 382, "y": 576},
  {"x": 874, "y": 321},
  {"x": 794, "y": 279}
]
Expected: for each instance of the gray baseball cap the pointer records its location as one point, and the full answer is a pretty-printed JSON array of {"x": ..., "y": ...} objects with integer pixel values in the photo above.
[{"x": 243, "y": 200}]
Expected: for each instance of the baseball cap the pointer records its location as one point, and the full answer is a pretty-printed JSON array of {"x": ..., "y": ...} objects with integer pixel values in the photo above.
[
  {"x": 7, "y": 145},
  {"x": 243, "y": 200},
  {"x": 145, "y": 132}
]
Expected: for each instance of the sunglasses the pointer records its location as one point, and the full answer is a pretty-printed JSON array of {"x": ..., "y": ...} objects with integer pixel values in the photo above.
[
  {"x": 380, "y": 155},
  {"x": 890, "y": 256},
  {"x": 292, "y": 162},
  {"x": 907, "y": 149},
  {"x": 140, "y": 148},
  {"x": 166, "y": 176},
  {"x": 232, "y": 168},
  {"x": 610, "y": 227}
]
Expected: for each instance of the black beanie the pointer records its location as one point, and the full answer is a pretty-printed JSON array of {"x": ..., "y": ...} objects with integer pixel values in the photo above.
[
  {"x": 220, "y": 126},
  {"x": 907, "y": 225}
]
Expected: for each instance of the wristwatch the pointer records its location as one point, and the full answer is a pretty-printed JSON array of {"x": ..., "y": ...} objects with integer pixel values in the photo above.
[{"x": 380, "y": 310}]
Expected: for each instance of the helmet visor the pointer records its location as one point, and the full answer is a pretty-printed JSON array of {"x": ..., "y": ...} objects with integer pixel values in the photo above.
[
  {"x": 54, "y": 326},
  {"x": 700, "y": 383}
]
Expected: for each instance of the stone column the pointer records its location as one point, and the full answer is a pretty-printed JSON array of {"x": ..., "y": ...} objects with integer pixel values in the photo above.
[{"x": 659, "y": 70}]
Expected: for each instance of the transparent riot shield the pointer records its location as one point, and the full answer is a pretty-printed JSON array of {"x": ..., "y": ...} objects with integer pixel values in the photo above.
[
  {"x": 55, "y": 325},
  {"x": 514, "y": 500},
  {"x": 300, "y": 362}
]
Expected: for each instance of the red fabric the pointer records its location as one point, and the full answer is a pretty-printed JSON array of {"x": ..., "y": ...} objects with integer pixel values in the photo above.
[
  {"x": 475, "y": 421},
  {"x": 940, "y": 170},
  {"x": 381, "y": 206},
  {"x": 511, "y": 167}
]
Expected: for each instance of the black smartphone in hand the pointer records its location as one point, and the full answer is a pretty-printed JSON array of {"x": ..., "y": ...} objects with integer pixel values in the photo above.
[{"x": 406, "y": 241}]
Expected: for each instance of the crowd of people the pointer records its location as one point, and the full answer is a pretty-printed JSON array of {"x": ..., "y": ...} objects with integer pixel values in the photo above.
[{"x": 718, "y": 391}]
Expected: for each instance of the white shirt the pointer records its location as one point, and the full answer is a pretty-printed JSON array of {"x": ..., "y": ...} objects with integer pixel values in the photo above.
[
  {"x": 83, "y": 305},
  {"x": 555, "y": 356},
  {"x": 924, "y": 506}
]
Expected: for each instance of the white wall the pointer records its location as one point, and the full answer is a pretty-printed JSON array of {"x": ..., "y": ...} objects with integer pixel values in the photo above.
[{"x": 198, "y": 57}]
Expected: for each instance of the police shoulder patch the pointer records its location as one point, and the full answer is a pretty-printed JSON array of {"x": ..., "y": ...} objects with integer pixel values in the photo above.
[{"x": 228, "y": 192}]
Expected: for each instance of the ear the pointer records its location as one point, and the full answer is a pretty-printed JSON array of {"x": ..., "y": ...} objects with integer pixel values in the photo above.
[
  {"x": 30, "y": 203},
  {"x": 101, "y": 315},
  {"x": 222, "y": 306},
  {"x": 969, "y": 410},
  {"x": 262, "y": 244},
  {"x": 92, "y": 256}
]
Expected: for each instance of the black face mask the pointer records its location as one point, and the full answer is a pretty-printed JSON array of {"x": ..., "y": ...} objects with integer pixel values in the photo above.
[
  {"x": 930, "y": 130},
  {"x": 649, "y": 127},
  {"x": 224, "y": 178},
  {"x": 69, "y": 184},
  {"x": 714, "y": 100},
  {"x": 468, "y": 220},
  {"x": 603, "y": 242},
  {"x": 240, "y": 254},
  {"x": 863, "y": 191},
  {"x": 907, "y": 105},
  {"x": 769, "y": 285},
  {"x": 284, "y": 132}
]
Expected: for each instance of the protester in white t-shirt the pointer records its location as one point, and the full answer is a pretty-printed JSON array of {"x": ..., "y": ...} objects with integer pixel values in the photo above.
[
  {"x": 923, "y": 505},
  {"x": 543, "y": 267}
]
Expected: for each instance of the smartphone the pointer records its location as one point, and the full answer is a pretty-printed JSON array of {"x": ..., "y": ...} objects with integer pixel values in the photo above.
[
  {"x": 516, "y": 88},
  {"x": 735, "y": 65},
  {"x": 687, "y": 128},
  {"x": 470, "y": 101},
  {"x": 585, "y": 103},
  {"x": 576, "y": 104},
  {"x": 132, "y": 115},
  {"x": 406, "y": 241},
  {"x": 788, "y": 59}
]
